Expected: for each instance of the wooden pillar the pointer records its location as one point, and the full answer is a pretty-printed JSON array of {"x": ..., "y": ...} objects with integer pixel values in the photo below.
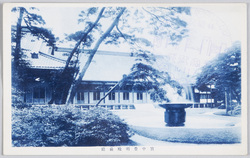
[
  {"x": 211, "y": 96},
  {"x": 133, "y": 99},
  {"x": 88, "y": 98},
  {"x": 119, "y": 97},
  {"x": 104, "y": 95},
  {"x": 103, "y": 87},
  {"x": 206, "y": 99}
]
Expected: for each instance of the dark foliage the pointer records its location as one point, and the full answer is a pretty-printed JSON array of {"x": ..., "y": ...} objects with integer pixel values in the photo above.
[
  {"x": 67, "y": 126},
  {"x": 20, "y": 66},
  {"x": 224, "y": 72},
  {"x": 146, "y": 77},
  {"x": 77, "y": 36}
]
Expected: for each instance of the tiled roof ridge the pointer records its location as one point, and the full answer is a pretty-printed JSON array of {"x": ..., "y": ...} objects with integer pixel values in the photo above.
[
  {"x": 53, "y": 58},
  {"x": 104, "y": 52},
  {"x": 47, "y": 67},
  {"x": 99, "y": 52}
]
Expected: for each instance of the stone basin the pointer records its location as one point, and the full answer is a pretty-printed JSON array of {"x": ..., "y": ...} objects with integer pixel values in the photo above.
[
  {"x": 175, "y": 105},
  {"x": 175, "y": 114}
]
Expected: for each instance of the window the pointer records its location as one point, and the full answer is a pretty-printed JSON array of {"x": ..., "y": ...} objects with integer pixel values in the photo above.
[
  {"x": 39, "y": 93},
  {"x": 139, "y": 96},
  {"x": 80, "y": 96},
  {"x": 205, "y": 96},
  {"x": 112, "y": 96},
  {"x": 65, "y": 54},
  {"x": 125, "y": 96},
  {"x": 34, "y": 55},
  {"x": 96, "y": 96}
]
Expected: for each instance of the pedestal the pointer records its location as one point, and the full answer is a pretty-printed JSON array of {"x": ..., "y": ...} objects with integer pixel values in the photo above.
[{"x": 175, "y": 116}]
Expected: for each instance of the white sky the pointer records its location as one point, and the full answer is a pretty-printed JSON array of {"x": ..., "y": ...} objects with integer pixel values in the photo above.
[{"x": 212, "y": 29}]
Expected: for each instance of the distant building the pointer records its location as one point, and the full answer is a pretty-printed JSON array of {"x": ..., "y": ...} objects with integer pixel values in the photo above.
[{"x": 204, "y": 99}]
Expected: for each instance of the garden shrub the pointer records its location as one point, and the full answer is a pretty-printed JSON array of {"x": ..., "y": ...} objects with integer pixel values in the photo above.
[
  {"x": 67, "y": 126},
  {"x": 102, "y": 127},
  {"x": 17, "y": 99}
]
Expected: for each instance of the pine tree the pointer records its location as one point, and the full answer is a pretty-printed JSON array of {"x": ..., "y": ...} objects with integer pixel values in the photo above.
[
  {"x": 224, "y": 72},
  {"x": 164, "y": 22},
  {"x": 29, "y": 22}
]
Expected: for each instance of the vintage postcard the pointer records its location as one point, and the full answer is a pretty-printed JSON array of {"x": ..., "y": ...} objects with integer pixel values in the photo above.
[{"x": 125, "y": 79}]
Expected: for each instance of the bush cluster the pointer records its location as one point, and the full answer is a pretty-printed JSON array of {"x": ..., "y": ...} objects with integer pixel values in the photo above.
[
  {"x": 67, "y": 126},
  {"x": 17, "y": 98}
]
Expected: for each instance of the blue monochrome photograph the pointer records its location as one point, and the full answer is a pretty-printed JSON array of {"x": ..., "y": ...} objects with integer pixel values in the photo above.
[{"x": 127, "y": 76}]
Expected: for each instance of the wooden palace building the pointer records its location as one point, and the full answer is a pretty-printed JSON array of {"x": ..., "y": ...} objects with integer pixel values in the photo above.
[{"x": 106, "y": 69}]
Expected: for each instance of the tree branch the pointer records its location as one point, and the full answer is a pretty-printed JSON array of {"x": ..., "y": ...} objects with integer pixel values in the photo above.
[
  {"x": 92, "y": 53},
  {"x": 153, "y": 15},
  {"x": 83, "y": 38},
  {"x": 116, "y": 85},
  {"x": 126, "y": 38}
]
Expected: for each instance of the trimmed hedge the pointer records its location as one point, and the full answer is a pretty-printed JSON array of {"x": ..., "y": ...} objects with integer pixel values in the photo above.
[{"x": 67, "y": 126}]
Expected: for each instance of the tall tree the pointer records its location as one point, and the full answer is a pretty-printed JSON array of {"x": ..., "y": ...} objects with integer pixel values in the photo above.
[
  {"x": 31, "y": 25},
  {"x": 92, "y": 53},
  {"x": 224, "y": 72},
  {"x": 66, "y": 77},
  {"x": 164, "y": 22},
  {"x": 27, "y": 22}
]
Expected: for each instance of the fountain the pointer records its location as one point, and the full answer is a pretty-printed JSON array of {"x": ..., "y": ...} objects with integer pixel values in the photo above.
[{"x": 175, "y": 114}]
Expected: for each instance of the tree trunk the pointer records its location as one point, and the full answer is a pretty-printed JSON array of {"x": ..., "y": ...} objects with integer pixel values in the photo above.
[
  {"x": 226, "y": 102},
  {"x": 73, "y": 87},
  {"x": 17, "y": 54},
  {"x": 116, "y": 85},
  {"x": 211, "y": 99},
  {"x": 237, "y": 97},
  {"x": 84, "y": 37},
  {"x": 230, "y": 97},
  {"x": 62, "y": 85},
  {"x": 59, "y": 95}
]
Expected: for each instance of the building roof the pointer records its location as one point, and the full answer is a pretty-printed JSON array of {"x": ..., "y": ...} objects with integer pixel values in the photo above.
[
  {"x": 109, "y": 67},
  {"x": 45, "y": 61},
  {"x": 105, "y": 66}
]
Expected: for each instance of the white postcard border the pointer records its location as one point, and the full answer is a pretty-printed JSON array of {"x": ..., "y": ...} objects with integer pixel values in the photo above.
[{"x": 235, "y": 149}]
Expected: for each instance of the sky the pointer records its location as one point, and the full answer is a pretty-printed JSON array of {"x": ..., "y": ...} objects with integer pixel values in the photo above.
[
  {"x": 65, "y": 20},
  {"x": 212, "y": 29}
]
